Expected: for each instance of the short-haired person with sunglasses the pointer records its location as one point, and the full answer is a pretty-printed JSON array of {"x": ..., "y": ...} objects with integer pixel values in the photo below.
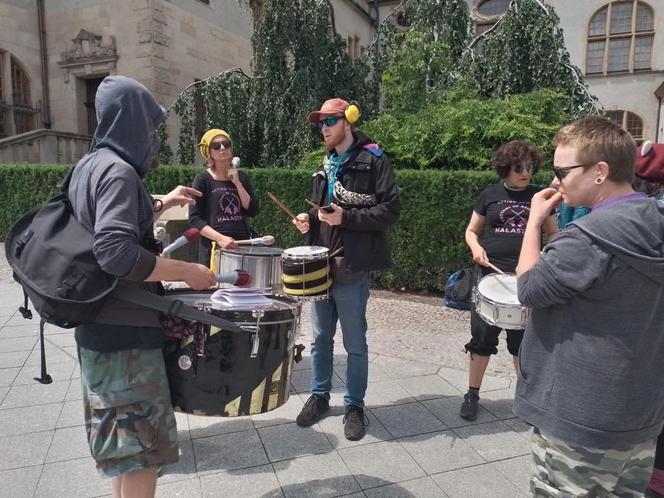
[
  {"x": 590, "y": 365},
  {"x": 228, "y": 197},
  {"x": 357, "y": 183},
  {"x": 494, "y": 235}
]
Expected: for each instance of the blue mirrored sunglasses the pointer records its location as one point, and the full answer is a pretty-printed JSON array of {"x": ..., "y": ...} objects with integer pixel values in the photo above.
[{"x": 331, "y": 121}]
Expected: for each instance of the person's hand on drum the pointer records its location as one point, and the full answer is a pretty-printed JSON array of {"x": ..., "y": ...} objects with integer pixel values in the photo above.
[
  {"x": 543, "y": 203},
  {"x": 200, "y": 277},
  {"x": 180, "y": 196},
  {"x": 479, "y": 255},
  {"x": 227, "y": 242},
  {"x": 333, "y": 218},
  {"x": 301, "y": 221}
]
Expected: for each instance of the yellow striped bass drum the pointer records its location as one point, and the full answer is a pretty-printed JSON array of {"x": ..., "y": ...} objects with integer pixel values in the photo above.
[{"x": 217, "y": 372}]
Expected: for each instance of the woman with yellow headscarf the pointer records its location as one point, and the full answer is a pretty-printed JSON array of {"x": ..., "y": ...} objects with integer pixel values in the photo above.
[{"x": 228, "y": 198}]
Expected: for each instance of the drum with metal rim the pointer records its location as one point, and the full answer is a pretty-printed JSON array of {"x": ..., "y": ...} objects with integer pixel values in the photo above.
[
  {"x": 222, "y": 373},
  {"x": 261, "y": 262},
  {"x": 495, "y": 299},
  {"x": 306, "y": 273}
]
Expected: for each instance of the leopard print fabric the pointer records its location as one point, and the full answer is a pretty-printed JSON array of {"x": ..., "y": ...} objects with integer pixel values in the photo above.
[{"x": 353, "y": 198}]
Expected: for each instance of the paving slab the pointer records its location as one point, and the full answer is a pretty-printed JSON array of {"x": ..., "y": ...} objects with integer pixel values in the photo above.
[
  {"x": 20, "y": 483},
  {"x": 319, "y": 476},
  {"x": 494, "y": 440},
  {"x": 475, "y": 482},
  {"x": 408, "y": 419},
  {"x": 380, "y": 464},
  {"x": 441, "y": 451},
  {"x": 229, "y": 452},
  {"x": 24, "y": 450},
  {"x": 424, "y": 487},
  {"x": 288, "y": 441},
  {"x": 254, "y": 482}
]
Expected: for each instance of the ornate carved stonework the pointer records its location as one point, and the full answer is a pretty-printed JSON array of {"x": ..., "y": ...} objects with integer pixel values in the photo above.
[
  {"x": 90, "y": 55},
  {"x": 89, "y": 47}
]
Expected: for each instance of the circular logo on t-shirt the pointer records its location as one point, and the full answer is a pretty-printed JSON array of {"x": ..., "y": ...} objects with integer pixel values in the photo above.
[{"x": 513, "y": 218}]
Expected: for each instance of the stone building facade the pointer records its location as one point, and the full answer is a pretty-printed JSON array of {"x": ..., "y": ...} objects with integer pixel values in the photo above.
[{"x": 54, "y": 53}]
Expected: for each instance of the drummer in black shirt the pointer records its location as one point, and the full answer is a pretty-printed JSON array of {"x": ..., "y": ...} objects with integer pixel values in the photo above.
[
  {"x": 499, "y": 218},
  {"x": 228, "y": 198}
]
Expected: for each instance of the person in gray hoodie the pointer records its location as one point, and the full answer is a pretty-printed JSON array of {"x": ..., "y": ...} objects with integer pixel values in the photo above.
[
  {"x": 592, "y": 356},
  {"x": 128, "y": 414}
]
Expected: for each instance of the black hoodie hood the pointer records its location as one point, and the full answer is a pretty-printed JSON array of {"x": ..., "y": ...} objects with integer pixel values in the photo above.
[{"x": 128, "y": 117}]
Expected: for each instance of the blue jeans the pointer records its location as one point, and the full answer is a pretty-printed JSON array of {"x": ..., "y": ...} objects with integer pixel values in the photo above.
[{"x": 348, "y": 305}]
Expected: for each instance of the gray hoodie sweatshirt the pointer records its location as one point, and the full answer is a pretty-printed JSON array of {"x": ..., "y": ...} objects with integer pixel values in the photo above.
[
  {"x": 592, "y": 358},
  {"x": 108, "y": 195}
]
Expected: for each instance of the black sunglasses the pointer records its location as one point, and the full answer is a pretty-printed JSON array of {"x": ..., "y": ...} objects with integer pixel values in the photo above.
[
  {"x": 519, "y": 168},
  {"x": 226, "y": 144},
  {"x": 562, "y": 171}
]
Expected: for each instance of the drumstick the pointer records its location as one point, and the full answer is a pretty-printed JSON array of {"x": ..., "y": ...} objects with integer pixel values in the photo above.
[
  {"x": 494, "y": 268},
  {"x": 312, "y": 203},
  {"x": 276, "y": 200},
  {"x": 267, "y": 240}
]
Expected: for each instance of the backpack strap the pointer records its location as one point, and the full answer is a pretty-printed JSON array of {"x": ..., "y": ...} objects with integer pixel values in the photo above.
[
  {"x": 45, "y": 378},
  {"x": 25, "y": 309},
  {"x": 172, "y": 307}
]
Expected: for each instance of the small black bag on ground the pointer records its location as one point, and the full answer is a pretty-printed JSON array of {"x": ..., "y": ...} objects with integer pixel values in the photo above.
[{"x": 458, "y": 289}]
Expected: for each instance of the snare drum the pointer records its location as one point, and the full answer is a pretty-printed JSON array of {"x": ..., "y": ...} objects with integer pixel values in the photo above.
[
  {"x": 495, "y": 299},
  {"x": 223, "y": 373},
  {"x": 263, "y": 263},
  {"x": 306, "y": 273}
]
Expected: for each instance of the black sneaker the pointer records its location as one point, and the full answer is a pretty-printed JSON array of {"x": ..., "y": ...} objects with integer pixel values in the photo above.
[
  {"x": 312, "y": 411},
  {"x": 355, "y": 423},
  {"x": 470, "y": 406}
]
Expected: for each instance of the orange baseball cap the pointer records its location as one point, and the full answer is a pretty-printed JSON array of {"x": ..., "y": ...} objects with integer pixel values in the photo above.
[{"x": 331, "y": 107}]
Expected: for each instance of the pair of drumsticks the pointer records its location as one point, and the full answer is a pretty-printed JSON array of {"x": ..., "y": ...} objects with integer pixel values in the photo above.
[{"x": 292, "y": 216}]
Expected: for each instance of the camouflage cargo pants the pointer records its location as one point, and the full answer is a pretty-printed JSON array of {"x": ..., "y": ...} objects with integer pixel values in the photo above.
[
  {"x": 128, "y": 413},
  {"x": 565, "y": 471}
]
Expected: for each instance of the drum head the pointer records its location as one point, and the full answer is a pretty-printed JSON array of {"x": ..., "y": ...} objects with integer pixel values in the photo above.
[
  {"x": 499, "y": 288},
  {"x": 255, "y": 251},
  {"x": 280, "y": 309},
  {"x": 306, "y": 252}
]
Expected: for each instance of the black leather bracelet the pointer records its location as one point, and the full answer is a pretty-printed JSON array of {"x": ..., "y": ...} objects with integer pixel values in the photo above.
[{"x": 159, "y": 207}]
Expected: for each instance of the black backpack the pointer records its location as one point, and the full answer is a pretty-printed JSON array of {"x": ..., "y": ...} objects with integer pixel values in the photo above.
[{"x": 51, "y": 255}]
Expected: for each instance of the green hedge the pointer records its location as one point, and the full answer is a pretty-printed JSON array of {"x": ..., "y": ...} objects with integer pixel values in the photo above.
[{"x": 427, "y": 243}]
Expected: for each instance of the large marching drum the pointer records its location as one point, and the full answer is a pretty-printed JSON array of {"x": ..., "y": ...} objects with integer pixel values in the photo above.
[{"x": 224, "y": 373}]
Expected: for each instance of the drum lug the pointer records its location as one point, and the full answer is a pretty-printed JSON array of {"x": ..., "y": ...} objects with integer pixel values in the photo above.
[{"x": 256, "y": 328}]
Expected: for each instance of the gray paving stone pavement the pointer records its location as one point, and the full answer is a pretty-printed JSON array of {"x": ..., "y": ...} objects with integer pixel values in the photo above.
[{"x": 416, "y": 446}]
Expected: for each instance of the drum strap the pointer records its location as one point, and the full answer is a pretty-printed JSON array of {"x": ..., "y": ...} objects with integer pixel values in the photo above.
[{"x": 172, "y": 307}]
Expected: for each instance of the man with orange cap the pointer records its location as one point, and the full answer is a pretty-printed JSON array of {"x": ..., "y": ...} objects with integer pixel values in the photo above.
[{"x": 355, "y": 187}]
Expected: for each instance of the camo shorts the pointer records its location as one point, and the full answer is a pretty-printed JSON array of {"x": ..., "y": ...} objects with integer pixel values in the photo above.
[
  {"x": 128, "y": 413},
  {"x": 565, "y": 471}
]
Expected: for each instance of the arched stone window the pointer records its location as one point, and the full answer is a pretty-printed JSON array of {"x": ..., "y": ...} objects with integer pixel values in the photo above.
[
  {"x": 620, "y": 38},
  {"x": 21, "y": 101},
  {"x": 630, "y": 121},
  {"x": 487, "y": 13}
]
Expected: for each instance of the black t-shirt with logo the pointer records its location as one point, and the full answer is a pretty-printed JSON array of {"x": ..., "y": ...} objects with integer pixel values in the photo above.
[{"x": 506, "y": 213}]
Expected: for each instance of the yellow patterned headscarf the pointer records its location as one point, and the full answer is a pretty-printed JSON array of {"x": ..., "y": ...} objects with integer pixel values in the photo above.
[{"x": 206, "y": 140}]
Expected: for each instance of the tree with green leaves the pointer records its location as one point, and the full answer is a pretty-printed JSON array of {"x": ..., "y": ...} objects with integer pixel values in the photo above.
[
  {"x": 411, "y": 66},
  {"x": 299, "y": 61},
  {"x": 525, "y": 52}
]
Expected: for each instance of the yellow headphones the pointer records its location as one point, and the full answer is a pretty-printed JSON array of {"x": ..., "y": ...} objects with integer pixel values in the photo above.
[{"x": 352, "y": 113}]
